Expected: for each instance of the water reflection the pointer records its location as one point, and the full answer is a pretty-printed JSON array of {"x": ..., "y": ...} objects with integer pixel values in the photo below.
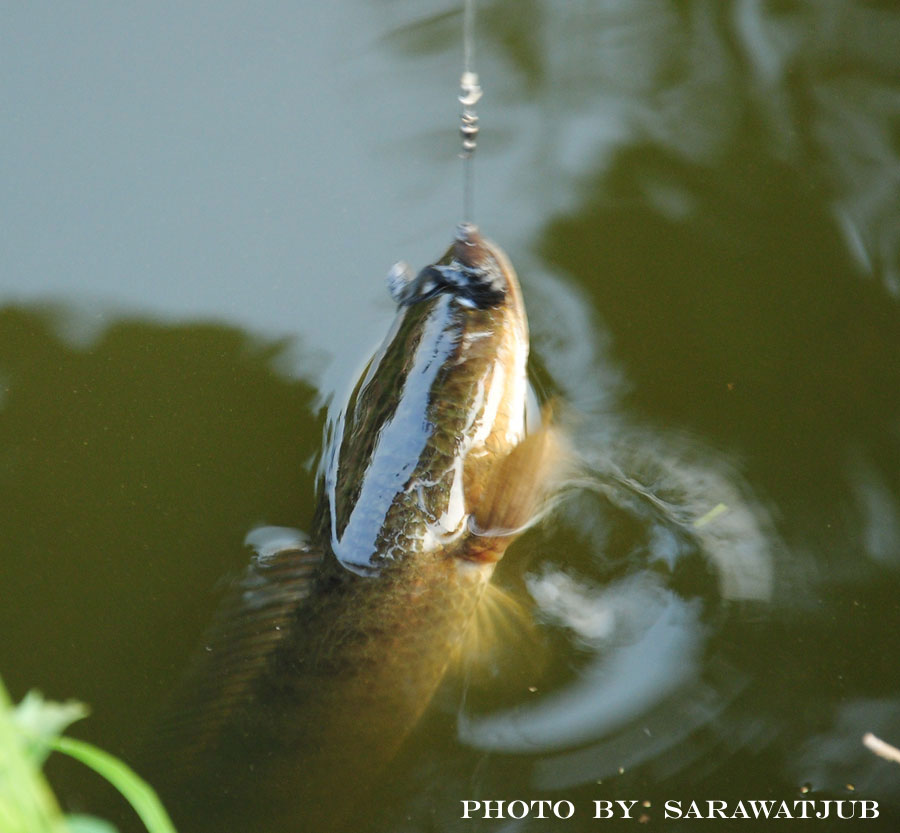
[
  {"x": 646, "y": 641},
  {"x": 133, "y": 465},
  {"x": 674, "y": 542},
  {"x": 828, "y": 755},
  {"x": 689, "y": 498},
  {"x": 717, "y": 179},
  {"x": 877, "y": 510},
  {"x": 694, "y": 194}
]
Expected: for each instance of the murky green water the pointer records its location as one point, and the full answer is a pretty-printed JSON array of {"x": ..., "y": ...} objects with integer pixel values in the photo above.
[{"x": 701, "y": 201}]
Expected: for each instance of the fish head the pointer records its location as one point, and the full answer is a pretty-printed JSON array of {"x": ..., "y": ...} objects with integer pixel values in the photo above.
[
  {"x": 442, "y": 399},
  {"x": 476, "y": 272}
]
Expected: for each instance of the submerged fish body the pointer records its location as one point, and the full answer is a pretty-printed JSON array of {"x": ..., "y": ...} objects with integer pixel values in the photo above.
[{"x": 319, "y": 666}]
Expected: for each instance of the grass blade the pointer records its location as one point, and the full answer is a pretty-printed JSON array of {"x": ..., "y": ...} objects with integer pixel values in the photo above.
[{"x": 135, "y": 789}]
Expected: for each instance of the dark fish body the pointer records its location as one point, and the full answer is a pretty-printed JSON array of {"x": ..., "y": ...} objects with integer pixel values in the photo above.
[{"x": 325, "y": 658}]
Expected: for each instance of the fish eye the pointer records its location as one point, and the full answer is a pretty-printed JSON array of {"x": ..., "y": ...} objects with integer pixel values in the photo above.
[{"x": 399, "y": 278}]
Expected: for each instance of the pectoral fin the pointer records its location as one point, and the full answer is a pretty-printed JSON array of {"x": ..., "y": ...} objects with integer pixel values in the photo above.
[
  {"x": 519, "y": 485},
  {"x": 502, "y": 647},
  {"x": 501, "y": 620}
]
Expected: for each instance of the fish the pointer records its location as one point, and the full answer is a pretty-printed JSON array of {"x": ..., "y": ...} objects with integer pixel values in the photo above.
[{"x": 324, "y": 658}]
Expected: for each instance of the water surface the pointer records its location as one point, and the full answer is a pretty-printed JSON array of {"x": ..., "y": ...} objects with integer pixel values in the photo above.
[{"x": 701, "y": 201}]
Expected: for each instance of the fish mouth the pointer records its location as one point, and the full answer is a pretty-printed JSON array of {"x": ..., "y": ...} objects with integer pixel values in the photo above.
[
  {"x": 470, "y": 248},
  {"x": 487, "y": 263},
  {"x": 473, "y": 270}
]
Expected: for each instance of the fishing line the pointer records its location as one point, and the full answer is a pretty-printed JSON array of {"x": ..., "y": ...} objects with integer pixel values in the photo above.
[{"x": 470, "y": 93}]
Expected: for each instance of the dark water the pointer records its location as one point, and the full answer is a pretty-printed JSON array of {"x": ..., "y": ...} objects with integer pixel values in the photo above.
[{"x": 701, "y": 200}]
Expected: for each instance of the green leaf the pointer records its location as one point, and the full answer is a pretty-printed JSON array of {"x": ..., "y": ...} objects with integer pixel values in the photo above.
[
  {"x": 135, "y": 789},
  {"x": 41, "y": 721},
  {"x": 79, "y": 823},
  {"x": 27, "y": 804}
]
